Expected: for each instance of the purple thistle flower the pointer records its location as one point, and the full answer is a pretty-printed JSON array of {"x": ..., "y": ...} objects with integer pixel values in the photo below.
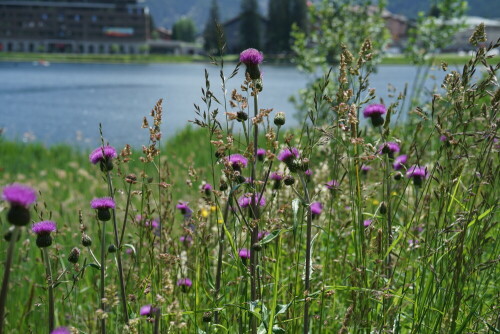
[
  {"x": 44, "y": 227},
  {"x": 261, "y": 153},
  {"x": 374, "y": 110},
  {"x": 207, "y": 189},
  {"x": 147, "y": 310},
  {"x": 288, "y": 154},
  {"x": 102, "y": 203},
  {"x": 389, "y": 148},
  {"x": 276, "y": 176},
  {"x": 443, "y": 138},
  {"x": 316, "y": 209},
  {"x": 42, "y": 230},
  {"x": 365, "y": 169},
  {"x": 367, "y": 222},
  {"x": 19, "y": 195},
  {"x": 308, "y": 172},
  {"x": 251, "y": 57},
  {"x": 332, "y": 185},
  {"x": 184, "y": 284},
  {"x": 237, "y": 161},
  {"x": 97, "y": 154},
  {"x": 184, "y": 209},
  {"x": 245, "y": 200},
  {"x": 417, "y": 171},
  {"x": 153, "y": 224},
  {"x": 418, "y": 174},
  {"x": 244, "y": 254},
  {"x": 400, "y": 161},
  {"x": 60, "y": 330},
  {"x": 187, "y": 240},
  {"x": 207, "y": 186},
  {"x": 262, "y": 235}
]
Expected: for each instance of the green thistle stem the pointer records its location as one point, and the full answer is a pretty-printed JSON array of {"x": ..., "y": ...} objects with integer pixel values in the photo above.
[
  {"x": 254, "y": 238},
  {"x": 50, "y": 285},
  {"x": 118, "y": 253},
  {"x": 103, "y": 271}
]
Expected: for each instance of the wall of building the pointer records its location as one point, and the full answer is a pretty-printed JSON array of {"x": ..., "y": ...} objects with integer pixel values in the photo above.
[{"x": 104, "y": 26}]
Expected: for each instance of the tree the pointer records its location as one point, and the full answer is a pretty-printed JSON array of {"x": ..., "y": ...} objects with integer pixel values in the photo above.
[
  {"x": 211, "y": 33},
  {"x": 333, "y": 27},
  {"x": 298, "y": 13},
  {"x": 184, "y": 30},
  {"x": 283, "y": 14},
  {"x": 250, "y": 25},
  {"x": 278, "y": 28}
]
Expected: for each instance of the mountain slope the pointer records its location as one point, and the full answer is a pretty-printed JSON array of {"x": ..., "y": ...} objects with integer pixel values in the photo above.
[{"x": 167, "y": 12}]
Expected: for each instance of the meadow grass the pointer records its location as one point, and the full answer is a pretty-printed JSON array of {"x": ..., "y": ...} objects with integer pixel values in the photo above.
[{"x": 380, "y": 250}]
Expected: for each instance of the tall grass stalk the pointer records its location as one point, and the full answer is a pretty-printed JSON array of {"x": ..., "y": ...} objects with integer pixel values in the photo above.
[{"x": 6, "y": 275}]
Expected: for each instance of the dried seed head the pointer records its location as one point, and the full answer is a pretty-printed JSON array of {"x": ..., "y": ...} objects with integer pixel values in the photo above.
[{"x": 131, "y": 178}]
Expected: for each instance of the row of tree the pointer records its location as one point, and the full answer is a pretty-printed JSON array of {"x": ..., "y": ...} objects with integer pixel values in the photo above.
[{"x": 272, "y": 34}]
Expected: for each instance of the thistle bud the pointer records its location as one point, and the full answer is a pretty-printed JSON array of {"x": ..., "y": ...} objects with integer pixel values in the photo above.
[
  {"x": 106, "y": 165},
  {"x": 289, "y": 180},
  {"x": 8, "y": 235},
  {"x": 207, "y": 317},
  {"x": 241, "y": 116},
  {"x": 256, "y": 247},
  {"x": 383, "y": 208},
  {"x": 279, "y": 118},
  {"x": 44, "y": 240},
  {"x": 86, "y": 241},
  {"x": 74, "y": 255},
  {"x": 112, "y": 248},
  {"x": 18, "y": 215},
  {"x": 103, "y": 214},
  {"x": 239, "y": 179},
  {"x": 223, "y": 185}
]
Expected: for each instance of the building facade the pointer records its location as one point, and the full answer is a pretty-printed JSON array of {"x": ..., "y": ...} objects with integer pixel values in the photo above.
[{"x": 74, "y": 26}]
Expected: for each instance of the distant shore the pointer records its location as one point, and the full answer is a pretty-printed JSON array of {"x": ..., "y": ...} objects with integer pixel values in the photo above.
[{"x": 46, "y": 58}]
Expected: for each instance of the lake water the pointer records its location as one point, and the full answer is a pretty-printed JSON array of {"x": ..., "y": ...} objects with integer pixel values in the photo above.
[{"x": 64, "y": 103}]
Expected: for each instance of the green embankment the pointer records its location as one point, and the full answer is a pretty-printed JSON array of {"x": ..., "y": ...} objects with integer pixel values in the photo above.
[{"x": 451, "y": 59}]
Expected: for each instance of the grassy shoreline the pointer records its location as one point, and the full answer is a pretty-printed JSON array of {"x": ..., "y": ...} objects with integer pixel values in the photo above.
[{"x": 451, "y": 59}]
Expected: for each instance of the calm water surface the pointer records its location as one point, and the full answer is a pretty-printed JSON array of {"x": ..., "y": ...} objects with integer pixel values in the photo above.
[{"x": 64, "y": 103}]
